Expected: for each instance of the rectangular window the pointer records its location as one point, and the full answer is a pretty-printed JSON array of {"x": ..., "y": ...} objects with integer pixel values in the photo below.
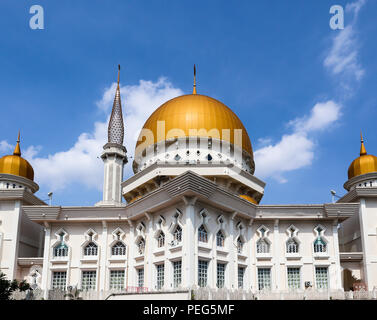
[
  {"x": 88, "y": 281},
  {"x": 177, "y": 267},
  {"x": 241, "y": 273},
  {"x": 160, "y": 276},
  {"x": 117, "y": 279},
  {"x": 59, "y": 280},
  {"x": 264, "y": 278},
  {"x": 202, "y": 273},
  {"x": 294, "y": 279},
  {"x": 321, "y": 277},
  {"x": 140, "y": 277},
  {"x": 220, "y": 275}
]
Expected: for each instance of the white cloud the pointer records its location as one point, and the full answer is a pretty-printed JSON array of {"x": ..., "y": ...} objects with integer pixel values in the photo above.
[
  {"x": 80, "y": 164},
  {"x": 321, "y": 116},
  {"x": 296, "y": 150},
  {"x": 342, "y": 58},
  {"x": 5, "y": 146}
]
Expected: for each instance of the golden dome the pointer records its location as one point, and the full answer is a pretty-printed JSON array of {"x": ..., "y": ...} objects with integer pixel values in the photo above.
[
  {"x": 195, "y": 111},
  {"x": 16, "y": 165},
  {"x": 366, "y": 163}
]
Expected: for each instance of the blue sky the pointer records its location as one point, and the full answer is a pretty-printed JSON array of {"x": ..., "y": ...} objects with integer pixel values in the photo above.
[{"x": 272, "y": 62}]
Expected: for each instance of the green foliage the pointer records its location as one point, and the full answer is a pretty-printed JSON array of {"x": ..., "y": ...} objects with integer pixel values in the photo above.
[{"x": 7, "y": 287}]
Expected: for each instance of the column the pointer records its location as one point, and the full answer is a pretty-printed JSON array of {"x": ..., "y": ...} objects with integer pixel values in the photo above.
[
  {"x": 338, "y": 274},
  {"x": 189, "y": 244},
  {"x": 130, "y": 272},
  {"x": 103, "y": 259},
  {"x": 46, "y": 260},
  {"x": 233, "y": 254},
  {"x": 276, "y": 256},
  {"x": 148, "y": 257},
  {"x": 364, "y": 241}
]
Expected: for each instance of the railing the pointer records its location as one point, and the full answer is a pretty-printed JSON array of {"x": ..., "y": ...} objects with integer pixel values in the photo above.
[{"x": 209, "y": 294}]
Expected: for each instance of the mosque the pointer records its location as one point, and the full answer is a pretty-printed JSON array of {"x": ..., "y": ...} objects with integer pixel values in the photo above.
[{"x": 191, "y": 215}]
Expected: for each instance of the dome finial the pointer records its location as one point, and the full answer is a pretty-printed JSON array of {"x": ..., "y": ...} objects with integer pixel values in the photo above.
[
  {"x": 194, "y": 88},
  {"x": 363, "y": 151},
  {"x": 17, "y": 149}
]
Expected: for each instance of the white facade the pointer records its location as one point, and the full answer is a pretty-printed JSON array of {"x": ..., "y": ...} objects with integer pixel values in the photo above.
[{"x": 185, "y": 225}]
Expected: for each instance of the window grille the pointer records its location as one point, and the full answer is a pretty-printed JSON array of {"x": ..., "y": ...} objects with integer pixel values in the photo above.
[
  {"x": 88, "y": 281},
  {"x": 91, "y": 249},
  {"x": 59, "y": 280},
  {"x": 321, "y": 277},
  {"x": 202, "y": 234},
  {"x": 177, "y": 268},
  {"x": 178, "y": 234},
  {"x": 118, "y": 249},
  {"x": 61, "y": 250},
  {"x": 202, "y": 273},
  {"x": 319, "y": 245},
  {"x": 241, "y": 273},
  {"x": 140, "y": 277},
  {"x": 292, "y": 246},
  {"x": 263, "y": 246},
  {"x": 264, "y": 278},
  {"x": 220, "y": 275},
  {"x": 117, "y": 279},
  {"x": 220, "y": 239},
  {"x": 294, "y": 279},
  {"x": 161, "y": 240},
  {"x": 160, "y": 276}
]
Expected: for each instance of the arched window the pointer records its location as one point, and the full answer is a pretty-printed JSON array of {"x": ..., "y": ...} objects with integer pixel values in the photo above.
[
  {"x": 141, "y": 246},
  {"x": 220, "y": 239},
  {"x": 118, "y": 249},
  {"x": 202, "y": 234},
  {"x": 161, "y": 240},
  {"x": 239, "y": 245},
  {"x": 91, "y": 249},
  {"x": 292, "y": 246},
  {"x": 61, "y": 250},
  {"x": 177, "y": 234},
  {"x": 263, "y": 246},
  {"x": 319, "y": 245}
]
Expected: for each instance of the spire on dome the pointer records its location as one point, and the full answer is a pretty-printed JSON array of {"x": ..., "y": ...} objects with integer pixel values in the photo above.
[
  {"x": 116, "y": 126},
  {"x": 17, "y": 149},
  {"x": 194, "y": 88},
  {"x": 363, "y": 151}
]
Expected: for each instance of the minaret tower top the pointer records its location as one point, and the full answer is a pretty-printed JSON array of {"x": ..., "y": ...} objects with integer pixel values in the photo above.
[{"x": 116, "y": 128}]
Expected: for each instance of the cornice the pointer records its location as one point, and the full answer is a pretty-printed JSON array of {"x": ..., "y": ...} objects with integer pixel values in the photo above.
[
  {"x": 355, "y": 194},
  {"x": 20, "y": 194}
]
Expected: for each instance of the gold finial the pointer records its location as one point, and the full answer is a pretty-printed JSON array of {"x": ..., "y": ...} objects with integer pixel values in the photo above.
[
  {"x": 194, "y": 88},
  {"x": 17, "y": 149},
  {"x": 363, "y": 151},
  {"x": 118, "y": 74}
]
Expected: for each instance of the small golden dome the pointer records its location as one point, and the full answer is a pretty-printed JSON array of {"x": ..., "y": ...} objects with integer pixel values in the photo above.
[
  {"x": 248, "y": 198},
  {"x": 16, "y": 165},
  {"x": 366, "y": 163},
  {"x": 198, "y": 112}
]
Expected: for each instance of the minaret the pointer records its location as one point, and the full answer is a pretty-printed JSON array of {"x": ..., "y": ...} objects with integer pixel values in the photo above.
[{"x": 114, "y": 154}]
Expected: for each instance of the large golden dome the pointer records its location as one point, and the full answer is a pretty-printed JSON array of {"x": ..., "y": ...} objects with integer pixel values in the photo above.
[
  {"x": 366, "y": 163},
  {"x": 195, "y": 111},
  {"x": 16, "y": 165}
]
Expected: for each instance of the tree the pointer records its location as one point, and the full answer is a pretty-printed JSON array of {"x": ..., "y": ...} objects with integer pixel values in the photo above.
[{"x": 7, "y": 287}]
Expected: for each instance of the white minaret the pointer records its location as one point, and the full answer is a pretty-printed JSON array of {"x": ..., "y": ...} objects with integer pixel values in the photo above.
[{"x": 114, "y": 155}]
